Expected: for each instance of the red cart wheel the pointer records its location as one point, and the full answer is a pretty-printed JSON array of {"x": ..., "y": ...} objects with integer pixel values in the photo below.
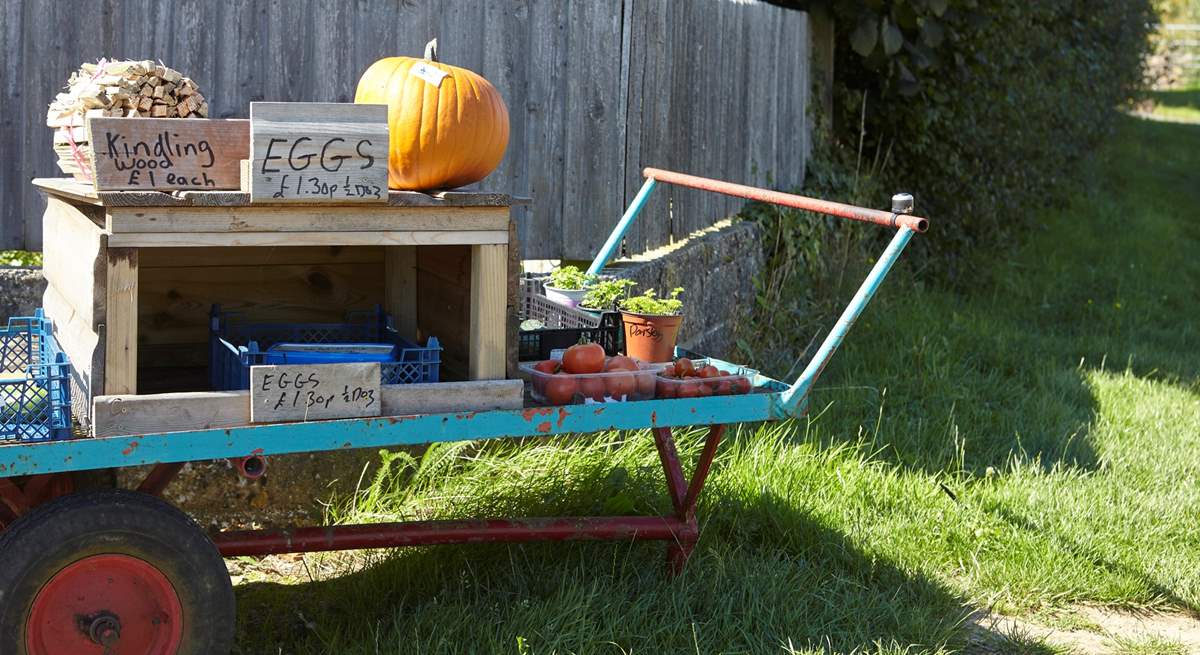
[{"x": 112, "y": 572}]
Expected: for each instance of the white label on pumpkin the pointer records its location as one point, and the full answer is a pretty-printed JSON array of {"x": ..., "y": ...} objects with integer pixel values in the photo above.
[{"x": 431, "y": 74}]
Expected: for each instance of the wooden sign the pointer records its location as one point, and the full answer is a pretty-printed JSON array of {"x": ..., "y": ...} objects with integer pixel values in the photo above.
[
  {"x": 167, "y": 154},
  {"x": 317, "y": 152},
  {"x": 314, "y": 392}
]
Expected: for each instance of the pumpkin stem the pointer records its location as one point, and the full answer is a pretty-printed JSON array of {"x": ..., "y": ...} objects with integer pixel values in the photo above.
[{"x": 431, "y": 51}]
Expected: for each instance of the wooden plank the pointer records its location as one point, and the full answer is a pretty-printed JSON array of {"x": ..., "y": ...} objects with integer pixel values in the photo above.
[
  {"x": 489, "y": 301},
  {"x": 546, "y": 60},
  {"x": 83, "y": 193},
  {"x": 121, "y": 325},
  {"x": 505, "y": 55},
  {"x": 12, "y": 85},
  {"x": 167, "y": 153},
  {"x": 317, "y": 153},
  {"x": 74, "y": 260},
  {"x": 273, "y": 256},
  {"x": 307, "y": 219},
  {"x": 284, "y": 394},
  {"x": 83, "y": 344},
  {"x": 400, "y": 288},
  {"x": 593, "y": 158},
  {"x": 212, "y": 239},
  {"x": 69, "y": 188},
  {"x": 178, "y": 412},
  {"x": 115, "y": 415}
]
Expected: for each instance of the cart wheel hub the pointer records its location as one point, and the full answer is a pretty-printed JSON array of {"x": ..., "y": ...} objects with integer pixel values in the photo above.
[
  {"x": 105, "y": 630},
  {"x": 106, "y": 604}
]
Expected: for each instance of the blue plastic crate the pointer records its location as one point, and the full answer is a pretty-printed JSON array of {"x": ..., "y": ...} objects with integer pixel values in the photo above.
[
  {"x": 236, "y": 345},
  {"x": 35, "y": 382}
]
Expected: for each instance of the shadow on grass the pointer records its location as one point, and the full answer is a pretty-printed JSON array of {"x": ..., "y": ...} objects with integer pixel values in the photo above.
[
  {"x": 764, "y": 579},
  {"x": 1181, "y": 103}
]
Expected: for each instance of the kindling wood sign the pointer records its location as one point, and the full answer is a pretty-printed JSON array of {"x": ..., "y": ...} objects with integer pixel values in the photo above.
[
  {"x": 167, "y": 154},
  {"x": 314, "y": 152}
]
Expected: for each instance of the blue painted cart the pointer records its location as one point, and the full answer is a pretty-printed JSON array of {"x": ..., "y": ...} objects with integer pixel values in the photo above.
[{"x": 128, "y": 573}]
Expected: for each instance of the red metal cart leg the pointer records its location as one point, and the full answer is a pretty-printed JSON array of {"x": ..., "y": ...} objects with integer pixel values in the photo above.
[
  {"x": 159, "y": 477},
  {"x": 684, "y": 495}
]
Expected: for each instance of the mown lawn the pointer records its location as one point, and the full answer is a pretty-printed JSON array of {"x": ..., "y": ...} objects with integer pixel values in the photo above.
[{"x": 1023, "y": 446}]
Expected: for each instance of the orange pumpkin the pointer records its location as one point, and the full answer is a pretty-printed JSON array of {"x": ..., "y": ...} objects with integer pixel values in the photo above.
[{"x": 449, "y": 126}]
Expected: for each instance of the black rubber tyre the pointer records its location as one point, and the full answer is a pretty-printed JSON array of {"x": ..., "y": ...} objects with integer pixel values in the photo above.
[{"x": 99, "y": 524}]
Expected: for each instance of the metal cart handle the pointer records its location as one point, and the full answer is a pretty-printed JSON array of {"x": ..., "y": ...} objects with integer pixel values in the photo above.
[{"x": 792, "y": 401}]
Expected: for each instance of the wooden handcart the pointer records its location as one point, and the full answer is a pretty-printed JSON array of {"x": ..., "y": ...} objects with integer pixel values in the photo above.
[{"x": 90, "y": 570}]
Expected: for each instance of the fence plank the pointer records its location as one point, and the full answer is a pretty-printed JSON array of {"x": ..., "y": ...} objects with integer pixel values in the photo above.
[
  {"x": 596, "y": 90},
  {"x": 592, "y": 175}
]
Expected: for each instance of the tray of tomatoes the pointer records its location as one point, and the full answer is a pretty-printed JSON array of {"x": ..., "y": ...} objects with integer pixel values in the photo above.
[
  {"x": 698, "y": 378},
  {"x": 586, "y": 374}
]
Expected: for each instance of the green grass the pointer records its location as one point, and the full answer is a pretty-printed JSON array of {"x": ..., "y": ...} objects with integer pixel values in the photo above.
[
  {"x": 1178, "y": 104},
  {"x": 20, "y": 258},
  {"x": 1149, "y": 646},
  {"x": 1031, "y": 443}
]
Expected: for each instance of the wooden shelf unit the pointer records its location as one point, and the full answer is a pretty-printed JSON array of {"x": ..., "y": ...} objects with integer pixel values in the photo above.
[{"x": 132, "y": 276}]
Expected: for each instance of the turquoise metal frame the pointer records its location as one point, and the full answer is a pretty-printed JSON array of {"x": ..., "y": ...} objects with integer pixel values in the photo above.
[{"x": 771, "y": 399}]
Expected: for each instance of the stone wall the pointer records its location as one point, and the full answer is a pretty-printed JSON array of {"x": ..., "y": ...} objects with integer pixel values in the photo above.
[
  {"x": 716, "y": 268},
  {"x": 20, "y": 291}
]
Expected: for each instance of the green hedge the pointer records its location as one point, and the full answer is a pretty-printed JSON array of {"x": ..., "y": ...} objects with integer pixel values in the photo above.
[{"x": 981, "y": 109}]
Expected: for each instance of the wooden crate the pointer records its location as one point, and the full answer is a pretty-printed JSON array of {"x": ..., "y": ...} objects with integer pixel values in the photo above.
[{"x": 132, "y": 277}]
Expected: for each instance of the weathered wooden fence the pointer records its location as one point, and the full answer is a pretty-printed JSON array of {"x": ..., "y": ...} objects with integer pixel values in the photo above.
[{"x": 596, "y": 90}]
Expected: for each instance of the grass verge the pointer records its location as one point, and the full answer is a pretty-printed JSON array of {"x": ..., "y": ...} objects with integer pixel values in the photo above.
[{"x": 1030, "y": 443}]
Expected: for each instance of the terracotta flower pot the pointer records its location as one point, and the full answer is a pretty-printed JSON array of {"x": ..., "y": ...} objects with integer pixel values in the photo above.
[{"x": 651, "y": 337}]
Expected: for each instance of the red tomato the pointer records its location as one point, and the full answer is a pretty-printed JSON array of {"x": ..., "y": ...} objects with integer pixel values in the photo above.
[
  {"x": 620, "y": 385},
  {"x": 584, "y": 358},
  {"x": 665, "y": 389},
  {"x": 722, "y": 388},
  {"x": 560, "y": 389},
  {"x": 684, "y": 367},
  {"x": 593, "y": 388},
  {"x": 645, "y": 384},
  {"x": 688, "y": 390},
  {"x": 741, "y": 385},
  {"x": 708, "y": 372},
  {"x": 620, "y": 363},
  {"x": 705, "y": 390},
  {"x": 549, "y": 366}
]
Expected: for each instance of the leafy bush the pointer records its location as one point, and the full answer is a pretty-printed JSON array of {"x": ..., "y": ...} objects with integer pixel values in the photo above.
[
  {"x": 981, "y": 109},
  {"x": 20, "y": 258}
]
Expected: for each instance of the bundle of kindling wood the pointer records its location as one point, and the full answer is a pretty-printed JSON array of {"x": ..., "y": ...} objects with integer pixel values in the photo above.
[{"x": 116, "y": 89}]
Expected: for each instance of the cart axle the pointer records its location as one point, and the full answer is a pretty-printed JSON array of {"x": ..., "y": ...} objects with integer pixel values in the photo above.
[{"x": 424, "y": 533}]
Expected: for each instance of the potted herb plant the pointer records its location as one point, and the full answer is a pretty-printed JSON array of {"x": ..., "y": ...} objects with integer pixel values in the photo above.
[
  {"x": 567, "y": 285},
  {"x": 652, "y": 325},
  {"x": 604, "y": 295}
]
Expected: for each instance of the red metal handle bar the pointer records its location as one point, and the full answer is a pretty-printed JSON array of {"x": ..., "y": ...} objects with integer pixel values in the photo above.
[{"x": 915, "y": 223}]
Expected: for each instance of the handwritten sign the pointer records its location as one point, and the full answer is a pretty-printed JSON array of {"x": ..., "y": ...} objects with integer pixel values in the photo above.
[
  {"x": 317, "y": 152},
  {"x": 167, "y": 154},
  {"x": 313, "y": 392}
]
